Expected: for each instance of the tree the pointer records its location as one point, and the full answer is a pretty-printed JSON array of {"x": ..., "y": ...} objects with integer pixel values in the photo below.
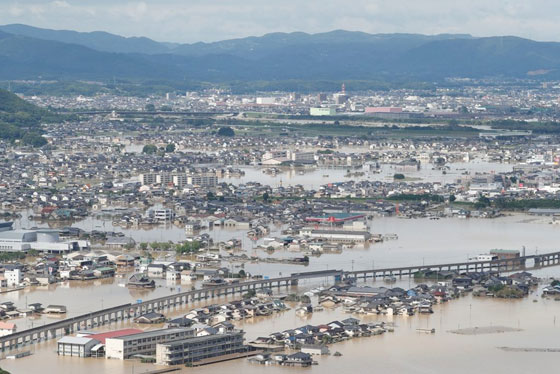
[
  {"x": 398, "y": 176},
  {"x": 265, "y": 197},
  {"x": 170, "y": 148},
  {"x": 150, "y": 108},
  {"x": 226, "y": 131},
  {"x": 149, "y": 149},
  {"x": 242, "y": 273},
  {"x": 143, "y": 246},
  {"x": 188, "y": 247},
  {"x": 483, "y": 202},
  {"x": 210, "y": 196},
  {"x": 452, "y": 198}
]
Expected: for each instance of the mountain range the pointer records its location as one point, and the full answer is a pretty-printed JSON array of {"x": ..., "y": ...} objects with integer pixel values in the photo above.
[{"x": 31, "y": 53}]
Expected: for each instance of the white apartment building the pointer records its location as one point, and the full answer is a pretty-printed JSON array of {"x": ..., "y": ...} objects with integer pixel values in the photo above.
[{"x": 13, "y": 275}]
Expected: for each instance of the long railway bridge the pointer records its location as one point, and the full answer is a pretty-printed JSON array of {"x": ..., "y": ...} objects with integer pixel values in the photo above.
[{"x": 132, "y": 310}]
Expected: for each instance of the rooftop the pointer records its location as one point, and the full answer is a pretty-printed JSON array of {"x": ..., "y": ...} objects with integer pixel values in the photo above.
[{"x": 150, "y": 334}]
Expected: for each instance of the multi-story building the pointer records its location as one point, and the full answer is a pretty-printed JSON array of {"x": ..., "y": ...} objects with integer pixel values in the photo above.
[
  {"x": 180, "y": 180},
  {"x": 301, "y": 157},
  {"x": 207, "y": 348},
  {"x": 162, "y": 215},
  {"x": 203, "y": 179},
  {"x": 124, "y": 347},
  {"x": 164, "y": 178},
  {"x": 13, "y": 275},
  {"x": 148, "y": 178}
]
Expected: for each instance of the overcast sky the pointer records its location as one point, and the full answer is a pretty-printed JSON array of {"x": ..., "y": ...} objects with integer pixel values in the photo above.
[{"x": 211, "y": 20}]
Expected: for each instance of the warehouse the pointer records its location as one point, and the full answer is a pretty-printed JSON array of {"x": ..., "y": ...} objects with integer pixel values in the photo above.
[{"x": 342, "y": 236}]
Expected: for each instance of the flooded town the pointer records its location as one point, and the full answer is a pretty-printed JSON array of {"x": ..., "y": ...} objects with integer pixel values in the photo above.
[{"x": 149, "y": 241}]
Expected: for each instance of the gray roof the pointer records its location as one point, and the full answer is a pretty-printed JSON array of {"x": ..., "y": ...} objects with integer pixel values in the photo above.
[
  {"x": 76, "y": 340},
  {"x": 14, "y": 234}
]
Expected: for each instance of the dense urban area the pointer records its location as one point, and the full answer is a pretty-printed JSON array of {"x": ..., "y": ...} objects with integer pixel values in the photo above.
[{"x": 185, "y": 223}]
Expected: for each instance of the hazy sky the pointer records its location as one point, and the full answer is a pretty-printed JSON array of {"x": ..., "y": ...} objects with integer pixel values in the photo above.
[{"x": 210, "y": 20}]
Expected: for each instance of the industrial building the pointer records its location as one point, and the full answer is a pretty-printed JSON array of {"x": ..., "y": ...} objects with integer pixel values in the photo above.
[
  {"x": 342, "y": 236},
  {"x": 42, "y": 240},
  {"x": 202, "y": 349}
]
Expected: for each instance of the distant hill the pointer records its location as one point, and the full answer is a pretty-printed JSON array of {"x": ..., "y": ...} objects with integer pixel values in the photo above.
[
  {"x": 32, "y": 53},
  {"x": 25, "y": 57},
  {"x": 98, "y": 40},
  {"x": 20, "y": 120}
]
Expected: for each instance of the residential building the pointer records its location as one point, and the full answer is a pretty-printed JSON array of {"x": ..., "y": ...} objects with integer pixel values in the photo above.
[{"x": 13, "y": 275}]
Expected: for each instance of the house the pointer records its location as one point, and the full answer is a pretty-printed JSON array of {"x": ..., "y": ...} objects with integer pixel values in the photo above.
[
  {"x": 151, "y": 318},
  {"x": 298, "y": 359},
  {"x": 124, "y": 261},
  {"x": 238, "y": 223},
  {"x": 315, "y": 349},
  {"x": 7, "y": 328},
  {"x": 139, "y": 280},
  {"x": 104, "y": 272},
  {"x": 156, "y": 270},
  {"x": 55, "y": 309},
  {"x": 120, "y": 242},
  {"x": 180, "y": 322}
]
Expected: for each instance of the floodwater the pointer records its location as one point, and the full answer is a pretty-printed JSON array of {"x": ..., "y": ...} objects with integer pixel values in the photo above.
[
  {"x": 405, "y": 350},
  {"x": 313, "y": 178}
]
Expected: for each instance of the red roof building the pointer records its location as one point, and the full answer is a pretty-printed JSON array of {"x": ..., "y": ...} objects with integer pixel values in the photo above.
[{"x": 114, "y": 334}]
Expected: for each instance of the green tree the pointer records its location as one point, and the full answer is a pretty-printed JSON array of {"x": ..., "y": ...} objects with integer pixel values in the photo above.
[
  {"x": 150, "y": 108},
  {"x": 149, "y": 149},
  {"x": 265, "y": 197},
  {"x": 188, "y": 247},
  {"x": 226, "y": 131},
  {"x": 170, "y": 148},
  {"x": 483, "y": 202},
  {"x": 452, "y": 198},
  {"x": 398, "y": 176}
]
